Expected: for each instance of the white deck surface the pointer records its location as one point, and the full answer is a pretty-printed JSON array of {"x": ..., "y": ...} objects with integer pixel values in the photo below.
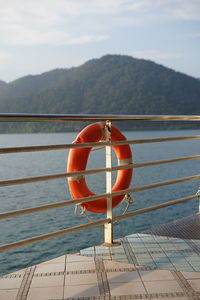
[{"x": 143, "y": 267}]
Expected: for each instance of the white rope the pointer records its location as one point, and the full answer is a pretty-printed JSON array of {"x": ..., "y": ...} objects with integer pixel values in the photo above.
[
  {"x": 90, "y": 219},
  {"x": 76, "y": 210},
  {"x": 198, "y": 193},
  {"x": 82, "y": 212},
  {"x": 129, "y": 200}
]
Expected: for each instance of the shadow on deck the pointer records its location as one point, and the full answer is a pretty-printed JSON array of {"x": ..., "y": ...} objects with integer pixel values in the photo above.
[
  {"x": 163, "y": 262},
  {"x": 185, "y": 228}
]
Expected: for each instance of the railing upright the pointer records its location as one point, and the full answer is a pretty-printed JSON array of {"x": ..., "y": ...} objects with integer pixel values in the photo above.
[{"x": 108, "y": 227}]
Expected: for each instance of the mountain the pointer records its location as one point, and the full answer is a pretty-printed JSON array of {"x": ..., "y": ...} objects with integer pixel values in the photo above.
[
  {"x": 2, "y": 84},
  {"x": 113, "y": 84}
]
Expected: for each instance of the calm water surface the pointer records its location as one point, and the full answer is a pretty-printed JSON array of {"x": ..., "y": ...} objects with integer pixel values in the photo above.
[{"x": 17, "y": 197}]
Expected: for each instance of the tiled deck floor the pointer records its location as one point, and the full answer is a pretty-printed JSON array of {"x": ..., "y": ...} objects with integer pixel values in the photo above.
[
  {"x": 152, "y": 252},
  {"x": 144, "y": 266}
]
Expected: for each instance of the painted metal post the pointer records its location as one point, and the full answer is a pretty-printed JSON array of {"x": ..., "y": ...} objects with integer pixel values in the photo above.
[{"x": 108, "y": 228}]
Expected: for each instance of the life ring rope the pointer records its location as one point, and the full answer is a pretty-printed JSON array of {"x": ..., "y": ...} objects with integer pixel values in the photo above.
[{"x": 77, "y": 161}]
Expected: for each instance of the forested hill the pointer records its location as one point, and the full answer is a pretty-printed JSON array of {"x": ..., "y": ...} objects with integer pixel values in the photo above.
[
  {"x": 113, "y": 84},
  {"x": 2, "y": 83}
]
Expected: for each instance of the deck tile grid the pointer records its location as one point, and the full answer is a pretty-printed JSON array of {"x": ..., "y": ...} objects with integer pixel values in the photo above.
[
  {"x": 159, "y": 284},
  {"x": 102, "y": 278},
  {"x": 26, "y": 283},
  {"x": 10, "y": 285},
  {"x": 130, "y": 255},
  {"x": 52, "y": 283},
  {"x": 181, "y": 265},
  {"x": 193, "y": 278},
  {"x": 177, "y": 262},
  {"x": 128, "y": 286},
  {"x": 170, "y": 247},
  {"x": 99, "y": 251},
  {"x": 80, "y": 265},
  {"x": 65, "y": 272},
  {"x": 144, "y": 255},
  {"x": 189, "y": 286},
  {"x": 194, "y": 245},
  {"x": 117, "y": 253},
  {"x": 150, "y": 251},
  {"x": 184, "y": 252},
  {"x": 194, "y": 258},
  {"x": 157, "y": 255},
  {"x": 136, "y": 248},
  {"x": 81, "y": 278},
  {"x": 48, "y": 280},
  {"x": 123, "y": 280},
  {"x": 150, "y": 285}
]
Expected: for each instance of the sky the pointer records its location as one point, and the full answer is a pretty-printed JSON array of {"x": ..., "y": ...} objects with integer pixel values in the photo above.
[{"x": 40, "y": 35}]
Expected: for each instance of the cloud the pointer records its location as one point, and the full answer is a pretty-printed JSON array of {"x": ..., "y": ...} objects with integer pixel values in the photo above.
[
  {"x": 195, "y": 35},
  {"x": 156, "y": 10},
  {"x": 67, "y": 22},
  {"x": 156, "y": 55},
  {"x": 45, "y": 22},
  {"x": 3, "y": 55},
  {"x": 19, "y": 35},
  {"x": 179, "y": 9},
  {"x": 53, "y": 12},
  {"x": 186, "y": 10}
]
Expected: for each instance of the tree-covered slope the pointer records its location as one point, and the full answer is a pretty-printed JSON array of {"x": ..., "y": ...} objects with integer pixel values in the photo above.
[{"x": 113, "y": 84}]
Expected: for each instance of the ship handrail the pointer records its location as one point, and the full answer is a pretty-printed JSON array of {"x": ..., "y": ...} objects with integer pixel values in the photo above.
[
  {"x": 9, "y": 150},
  {"x": 34, "y": 117},
  {"x": 93, "y": 171},
  {"x": 92, "y": 224},
  {"x": 96, "y": 197},
  {"x": 109, "y": 168}
]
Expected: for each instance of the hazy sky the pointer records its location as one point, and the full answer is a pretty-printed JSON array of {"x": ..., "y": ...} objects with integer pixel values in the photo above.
[{"x": 40, "y": 35}]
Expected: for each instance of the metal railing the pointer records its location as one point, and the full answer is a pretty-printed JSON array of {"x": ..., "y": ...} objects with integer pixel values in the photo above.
[{"x": 109, "y": 220}]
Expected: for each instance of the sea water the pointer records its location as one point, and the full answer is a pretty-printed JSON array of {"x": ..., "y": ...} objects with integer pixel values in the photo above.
[{"x": 16, "y": 197}]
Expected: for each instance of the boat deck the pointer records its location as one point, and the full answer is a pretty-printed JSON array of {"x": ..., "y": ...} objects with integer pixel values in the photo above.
[{"x": 161, "y": 263}]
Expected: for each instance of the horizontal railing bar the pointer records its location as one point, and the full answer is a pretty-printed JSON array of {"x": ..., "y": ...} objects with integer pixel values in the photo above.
[
  {"x": 165, "y": 161},
  {"x": 38, "y": 208},
  {"x": 155, "y": 207},
  {"x": 52, "y": 235},
  {"x": 50, "y": 147},
  {"x": 31, "y": 179},
  {"x": 157, "y": 140},
  {"x": 84, "y": 145},
  {"x": 93, "y": 224},
  {"x": 92, "y": 198},
  {"x": 92, "y": 171},
  {"x": 159, "y": 184},
  {"x": 153, "y": 163},
  {"x": 22, "y": 117},
  {"x": 51, "y": 177}
]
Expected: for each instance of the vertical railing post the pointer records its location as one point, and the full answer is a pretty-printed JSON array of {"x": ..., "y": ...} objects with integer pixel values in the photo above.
[{"x": 108, "y": 228}]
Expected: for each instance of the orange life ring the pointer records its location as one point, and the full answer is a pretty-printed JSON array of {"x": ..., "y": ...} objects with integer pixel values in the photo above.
[{"x": 77, "y": 161}]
